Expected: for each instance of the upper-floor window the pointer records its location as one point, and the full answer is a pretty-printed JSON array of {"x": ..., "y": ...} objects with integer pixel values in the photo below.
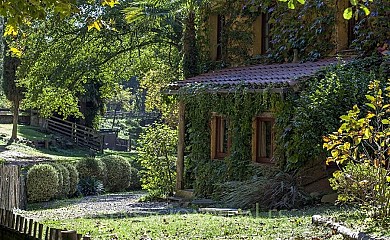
[
  {"x": 262, "y": 34},
  {"x": 220, "y": 140},
  {"x": 263, "y": 139},
  {"x": 266, "y": 30}
]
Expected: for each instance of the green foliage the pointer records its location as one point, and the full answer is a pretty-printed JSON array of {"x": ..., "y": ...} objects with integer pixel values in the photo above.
[
  {"x": 90, "y": 167},
  {"x": 42, "y": 183},
  {"x": 135, "y": 182},
  {"x": 73, "y": 178},
  {"x": 315, "y": 112},
  {"x": 157, "y": 156},
  {"x": 90, "y": 186},
  {"x": 63, "y": 180},
  {"x": 363, "y": 141},
  {"x": 118, "y": 173},
  {"x": 60, "y": 181},
  {"x": 240, "y": 107}
]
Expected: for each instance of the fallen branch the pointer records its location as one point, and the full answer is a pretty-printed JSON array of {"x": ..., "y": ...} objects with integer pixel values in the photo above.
[{"x": 343, "y": 230}]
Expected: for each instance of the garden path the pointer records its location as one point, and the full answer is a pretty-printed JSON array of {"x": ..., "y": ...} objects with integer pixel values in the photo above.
[{"x": 103, "y": 206}]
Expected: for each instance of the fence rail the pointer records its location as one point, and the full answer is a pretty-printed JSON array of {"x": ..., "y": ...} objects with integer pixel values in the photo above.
[
  {"x": 17, "y": 227},
  {"x": 79, "y": 134},
  {"x": 12, "y": 187}
]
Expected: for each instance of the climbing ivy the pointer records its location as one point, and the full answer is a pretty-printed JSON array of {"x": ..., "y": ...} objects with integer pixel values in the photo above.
[
  {"x": 240, "y": 107},
  {"x": 302, "y": 118},
  {"x": 309, "y": 115}
]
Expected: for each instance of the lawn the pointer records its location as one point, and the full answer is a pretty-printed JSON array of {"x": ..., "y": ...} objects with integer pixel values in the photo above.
[
  {"x": 34, "y": 133},
  {"x": 285, "y": 225}
]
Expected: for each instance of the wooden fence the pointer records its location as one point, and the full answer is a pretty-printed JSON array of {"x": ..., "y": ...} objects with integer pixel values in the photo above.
[
  {"x": 79, "y": 134},
  {"x": 12, "y": 187},
  {"x": 17, "y": 227}
]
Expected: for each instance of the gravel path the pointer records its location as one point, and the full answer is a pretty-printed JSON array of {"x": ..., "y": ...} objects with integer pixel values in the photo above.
[{"x": 104, "y": 206}]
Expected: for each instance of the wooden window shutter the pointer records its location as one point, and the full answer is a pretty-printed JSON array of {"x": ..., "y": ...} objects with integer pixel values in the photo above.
[
  {"x": 213, "y": 132},
  {"x": 254, "y": 139}
]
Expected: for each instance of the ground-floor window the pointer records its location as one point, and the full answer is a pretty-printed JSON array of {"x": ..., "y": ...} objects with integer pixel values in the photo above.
[
  {"x": 220, "y": 140},
  {"x": 263, "y": 139}
]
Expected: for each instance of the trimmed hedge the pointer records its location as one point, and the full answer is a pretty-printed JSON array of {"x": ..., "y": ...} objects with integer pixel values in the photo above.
[
  {"x": 118, "y": 173},
  {"x": 90, "y": 167},
  {"x": 42, "y": 183},
  {"x": 73, "y": 178}
]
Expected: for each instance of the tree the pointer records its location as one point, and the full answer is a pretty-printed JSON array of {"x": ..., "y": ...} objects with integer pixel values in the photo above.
[
  {"x": 361, "y": 148},
  {"x": 62, "y": 61},
  {"x": 12, "y": 91},
  {"x": 21, "y": 12}
]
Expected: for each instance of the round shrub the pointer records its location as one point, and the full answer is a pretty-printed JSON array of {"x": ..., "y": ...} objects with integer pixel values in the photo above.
[
  {"x": 73, "y": 178},
  {"x": 135, "y": 182},
  {"x": 118, "y": 173},
  {"x": 42, "y": 183},
  {"x": 90, "y": 167},
  {"x": 60, "y": 180}
]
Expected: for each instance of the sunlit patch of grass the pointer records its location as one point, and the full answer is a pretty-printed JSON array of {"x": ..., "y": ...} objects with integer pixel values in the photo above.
[{"x": 283, "y": 225}]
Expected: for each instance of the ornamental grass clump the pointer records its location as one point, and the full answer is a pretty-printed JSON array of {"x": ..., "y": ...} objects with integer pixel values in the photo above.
[
  {"x": 118, "y": 173},
  {"x": 361, "y": 149},
  {"x": 42, "y": 183}
]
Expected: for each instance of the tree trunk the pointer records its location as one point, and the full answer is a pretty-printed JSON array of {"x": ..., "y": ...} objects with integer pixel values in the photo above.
[{"x": 15, "y": 120}]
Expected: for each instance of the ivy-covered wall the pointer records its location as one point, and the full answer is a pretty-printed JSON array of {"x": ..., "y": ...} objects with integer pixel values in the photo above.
[
  {"x": 240, "y": 107},
  {"x": 310, "y": 28},
  {"x": 302, "y": 118}
]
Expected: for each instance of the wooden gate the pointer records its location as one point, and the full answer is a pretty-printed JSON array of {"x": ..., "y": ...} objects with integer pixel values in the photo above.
[{"x": 12, "y": 187}]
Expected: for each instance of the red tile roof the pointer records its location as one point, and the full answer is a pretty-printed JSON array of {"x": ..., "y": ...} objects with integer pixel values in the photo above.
[{"x": 257, "y": 76}]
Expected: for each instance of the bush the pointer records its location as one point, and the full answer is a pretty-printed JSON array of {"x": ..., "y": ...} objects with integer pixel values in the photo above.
[
  {"x": 157, "y": 155},
  {"x": 42, "y": 183},
  {"x": 356, "y": 182},
  {"x": 360, "y": 148},
  {"x": 90, "y": 167},
  {"x": 90, "y": 186},
  {"x": 59, "y": 193},
  {"x": 118, "y": 173},
  {"x": 135, "y": 181},
  {"x": 73, "y": 178}
]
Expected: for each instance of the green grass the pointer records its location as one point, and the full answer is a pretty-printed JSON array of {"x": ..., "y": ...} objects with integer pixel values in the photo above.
[
  {"x": 268, "y": 225},
  {"x": 34, "y": 133},
  {"x": 284, "y": 225},
  {"x": 25, "y": 131}
]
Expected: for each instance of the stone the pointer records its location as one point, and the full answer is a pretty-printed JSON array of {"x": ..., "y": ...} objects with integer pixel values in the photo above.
[{"x": 329, "y": 198}]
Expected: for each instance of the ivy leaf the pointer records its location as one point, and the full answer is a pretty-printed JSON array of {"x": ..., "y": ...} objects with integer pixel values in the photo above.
[
  {"x": 385, "y": 121},
  {"x": 370, "y": 115},
  {"x": 388, "y": 178},
  {"x": 353, "y": 2},
  {"x": 348, "y": 13},
  {"x": 365, "y": 9},
  {"x": 370, "y": 98},
  {"x": 301, "y": 1},
  {"x": 291, "y": 4},
  {"x": 371, "y": 105}
]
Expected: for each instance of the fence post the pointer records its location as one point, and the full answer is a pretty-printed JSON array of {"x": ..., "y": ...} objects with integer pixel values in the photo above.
[{"x": 69, "y": 235}]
